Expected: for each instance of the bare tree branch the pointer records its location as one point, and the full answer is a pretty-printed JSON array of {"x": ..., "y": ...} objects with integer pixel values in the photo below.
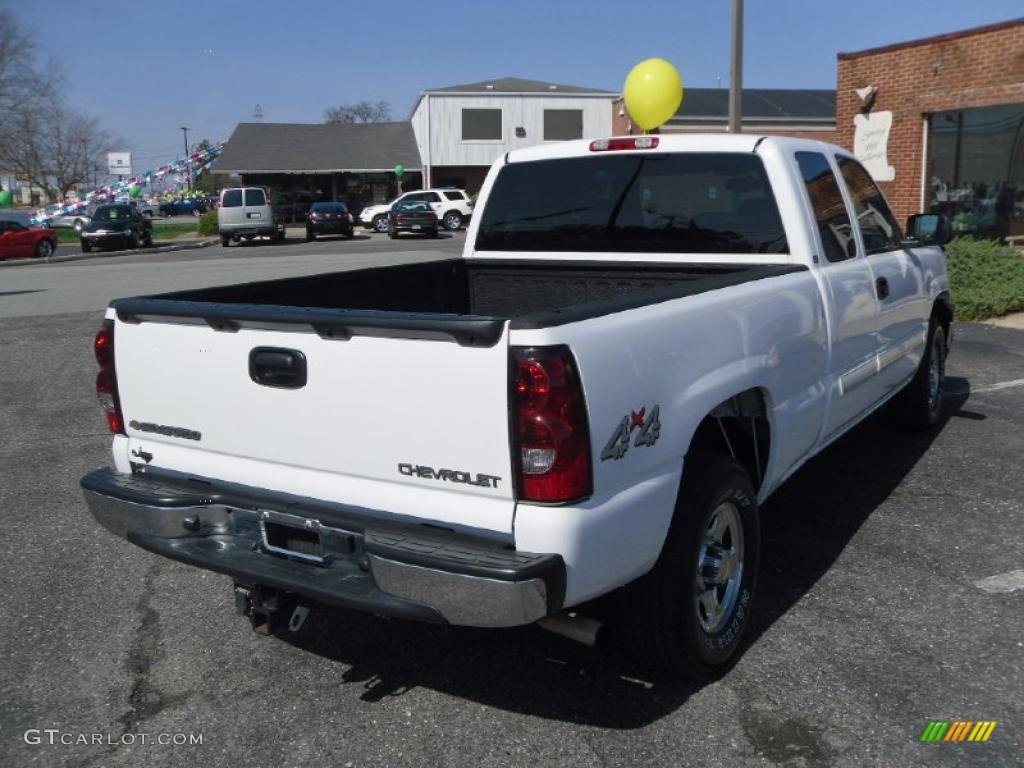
[{"x": 363, "y": 112}]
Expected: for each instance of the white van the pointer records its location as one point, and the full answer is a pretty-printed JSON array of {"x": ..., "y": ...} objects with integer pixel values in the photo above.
[{"x": 245, "y": 212}]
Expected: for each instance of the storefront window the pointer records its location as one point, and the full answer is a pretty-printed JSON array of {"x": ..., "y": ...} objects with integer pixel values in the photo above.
[{"x": 976, "y": 169}]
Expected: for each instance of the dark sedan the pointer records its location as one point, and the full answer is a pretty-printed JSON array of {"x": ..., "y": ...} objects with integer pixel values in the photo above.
[
  {"x": 416, "y": 217},
  {"x": 328, "y": 219},
  {"x": 183, "y": 207},
  {"x": 119, "y": 225}
]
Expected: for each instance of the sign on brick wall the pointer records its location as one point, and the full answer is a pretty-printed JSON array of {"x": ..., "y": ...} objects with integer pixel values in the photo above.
[{"x": 871, "y": 143}]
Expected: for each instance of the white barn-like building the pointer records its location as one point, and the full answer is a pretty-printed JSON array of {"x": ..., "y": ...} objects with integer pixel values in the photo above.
[{"x": 460, "y": 130}]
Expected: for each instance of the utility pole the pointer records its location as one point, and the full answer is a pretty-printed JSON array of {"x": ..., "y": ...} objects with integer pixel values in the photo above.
[
  {"x": 736, "y": 68},
  {"x": 188, "y": 163}
]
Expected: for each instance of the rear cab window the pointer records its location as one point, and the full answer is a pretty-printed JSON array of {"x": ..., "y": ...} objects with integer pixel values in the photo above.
[
  {"x": 255, "y": 197},
  {"x": 232, "y": 198},
  {"x": 688, "y": 202}
]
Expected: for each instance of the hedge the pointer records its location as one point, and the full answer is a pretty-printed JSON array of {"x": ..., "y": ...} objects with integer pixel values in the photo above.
[{"x": 987, "y": 278}]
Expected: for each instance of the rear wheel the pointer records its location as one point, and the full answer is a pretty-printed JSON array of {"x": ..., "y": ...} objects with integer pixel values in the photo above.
[
  {"x": 452, "y": 220},
  {"x": 148, "y": 239},
  {"x": 225, "y": 241},
  {"x": 86, "y": 247},
  {"x": 44, "y": 249},
  {"x": 135, "y": 241},
  {"x": 686, "y": 617},
  {"x": 380, "y": 223},
  {"x": 919, "y": 405},
  {"x": 196, "y": 213},
  {"x": 309, "y": 235}
]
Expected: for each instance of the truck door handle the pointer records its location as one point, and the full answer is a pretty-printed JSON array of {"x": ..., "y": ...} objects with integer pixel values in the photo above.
[
  {"x": 276, "y": 367},
  {"x": 882, "y": 287}
]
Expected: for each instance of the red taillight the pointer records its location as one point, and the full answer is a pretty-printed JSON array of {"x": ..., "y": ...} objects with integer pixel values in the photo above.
[
  {"x": 312, "y": 217},
  {"x": 346, "y": 216},
  {"x": 398, "y": 217},
  {"x": 553, "y": 442},
  {"x": 635, "y": 142},
  {"x": 106, "y": 379}
]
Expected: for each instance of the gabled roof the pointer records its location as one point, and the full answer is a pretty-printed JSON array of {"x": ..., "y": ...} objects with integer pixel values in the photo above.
[
  {"x": 765, "y": 105},
  {"x": 279, "y": 147},
  {"x": 517, "y": 85}
]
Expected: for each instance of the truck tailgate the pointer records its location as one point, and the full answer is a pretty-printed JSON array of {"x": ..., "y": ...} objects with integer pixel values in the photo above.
[{"x": 412, "y": 427}]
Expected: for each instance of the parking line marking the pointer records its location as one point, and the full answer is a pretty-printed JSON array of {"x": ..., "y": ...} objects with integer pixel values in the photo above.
[
  {"x": 1003, "y": 582},
  {"x": 990, "y": 388}
]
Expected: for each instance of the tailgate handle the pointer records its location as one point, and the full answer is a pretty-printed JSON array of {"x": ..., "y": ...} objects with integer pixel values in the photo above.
[{"x": 276, "y": 367}]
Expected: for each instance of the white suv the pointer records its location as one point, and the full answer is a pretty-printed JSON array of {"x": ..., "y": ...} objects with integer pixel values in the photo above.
[{"x": 452, "y": 206}]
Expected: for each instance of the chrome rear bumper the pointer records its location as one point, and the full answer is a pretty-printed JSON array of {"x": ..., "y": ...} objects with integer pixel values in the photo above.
[{"x": 341, "y": 559}]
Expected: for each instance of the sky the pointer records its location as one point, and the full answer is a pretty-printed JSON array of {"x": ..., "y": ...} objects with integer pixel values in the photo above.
[{"x": 145, "y": 68}]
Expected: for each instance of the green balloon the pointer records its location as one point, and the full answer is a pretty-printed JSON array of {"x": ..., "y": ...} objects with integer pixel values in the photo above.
[
  {"x": 399, "y": 170},
  {"x": 134, "y": 190},
  {"x": 6, "y": 198}
]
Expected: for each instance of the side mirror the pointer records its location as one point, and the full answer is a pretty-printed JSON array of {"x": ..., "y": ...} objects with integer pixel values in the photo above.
[{"x": 929, "y": 229}]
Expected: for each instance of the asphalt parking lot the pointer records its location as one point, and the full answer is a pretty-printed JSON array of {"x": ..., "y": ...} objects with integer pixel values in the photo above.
[{"x": 882, "y": 600}]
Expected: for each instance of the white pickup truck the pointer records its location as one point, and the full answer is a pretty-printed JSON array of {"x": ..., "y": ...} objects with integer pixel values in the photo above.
[{"x": 644, "y": 337}]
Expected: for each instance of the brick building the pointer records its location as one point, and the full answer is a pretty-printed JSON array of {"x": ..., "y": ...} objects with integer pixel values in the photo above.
[{"x": 956, "y": 140}]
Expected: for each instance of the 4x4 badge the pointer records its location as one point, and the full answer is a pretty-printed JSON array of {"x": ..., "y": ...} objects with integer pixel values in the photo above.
[{"x": 650, "y": 431}]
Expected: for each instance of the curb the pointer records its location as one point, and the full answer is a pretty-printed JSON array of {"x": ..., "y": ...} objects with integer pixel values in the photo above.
[{"x": 190, "y": 245}]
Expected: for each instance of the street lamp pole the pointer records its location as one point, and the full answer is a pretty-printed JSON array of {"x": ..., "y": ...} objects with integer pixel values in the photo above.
[
  {"x": 736, "y": 68},
  {"x": 188, "y": 163}
]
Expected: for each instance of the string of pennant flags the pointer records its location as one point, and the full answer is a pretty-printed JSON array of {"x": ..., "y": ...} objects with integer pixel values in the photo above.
[{"x": 199, "y": 161}]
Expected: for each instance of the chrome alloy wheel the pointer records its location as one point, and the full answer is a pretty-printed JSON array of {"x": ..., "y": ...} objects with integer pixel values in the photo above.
[
  {"x": 719, "y": 568},
  {"x": 936, "y": 372}
]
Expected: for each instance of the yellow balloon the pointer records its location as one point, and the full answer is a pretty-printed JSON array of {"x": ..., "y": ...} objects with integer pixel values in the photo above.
[{"x": 653, "y": 92}]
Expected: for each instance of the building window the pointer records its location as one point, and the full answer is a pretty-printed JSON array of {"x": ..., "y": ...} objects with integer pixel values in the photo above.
[
  {"x": 563, "y": 124},
  {"x": 976, "y": 169},
  {"x": 481, "y": 125}
]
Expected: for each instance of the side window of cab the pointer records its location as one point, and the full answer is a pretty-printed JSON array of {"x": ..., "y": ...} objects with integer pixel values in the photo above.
[
  {"x": 830, "y": 212},
  {"x": 878, "y": 227}
]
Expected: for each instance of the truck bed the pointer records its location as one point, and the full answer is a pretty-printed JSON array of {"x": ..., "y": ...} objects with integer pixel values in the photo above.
[{"x": 462, "y": 300}]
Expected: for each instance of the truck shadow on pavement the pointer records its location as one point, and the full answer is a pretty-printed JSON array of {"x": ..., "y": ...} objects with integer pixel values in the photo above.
[{"x": 806, "y": 526}]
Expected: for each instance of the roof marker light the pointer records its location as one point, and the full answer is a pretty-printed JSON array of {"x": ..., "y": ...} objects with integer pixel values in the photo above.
[{"x": 637, "y": 142}]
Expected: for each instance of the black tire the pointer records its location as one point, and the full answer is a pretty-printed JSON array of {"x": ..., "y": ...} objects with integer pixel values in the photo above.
[
  {"x": 45, "y": 249},
  {"x": 136, "y": 241},
  {"x": 86, "y": 248},
  {"x": 435, "y": 233},
  {"x": 452, "y": 220},
  {"x": 393, "y": 235},
  {"x": 148, "y": 239},
  {"x": 919, "y": 406},
  {"x": 380, "y": 223},
  {"x": 309, "y": 236},
  {"x": 666, "y": 621}
]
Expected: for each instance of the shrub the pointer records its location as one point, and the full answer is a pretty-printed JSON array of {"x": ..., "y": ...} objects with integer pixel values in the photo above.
[
  {"x": 987, "y": 278},
  {"x": 208, "y": 223}
]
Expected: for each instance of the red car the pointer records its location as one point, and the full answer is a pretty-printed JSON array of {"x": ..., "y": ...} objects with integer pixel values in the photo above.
[{"x": 19, "y": 241}]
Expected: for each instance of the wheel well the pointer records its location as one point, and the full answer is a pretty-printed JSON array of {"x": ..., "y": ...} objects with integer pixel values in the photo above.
[
  {"x": 943, "y": 311},
  {"x": 738, "y": 427}
]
